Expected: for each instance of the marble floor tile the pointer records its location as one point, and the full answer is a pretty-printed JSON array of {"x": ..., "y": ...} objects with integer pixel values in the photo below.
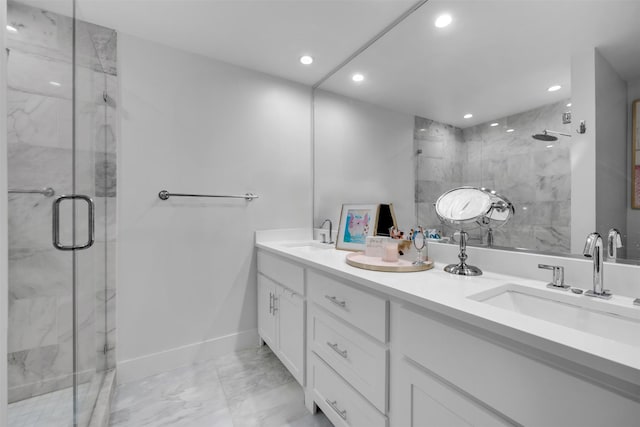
[
  {"x": 251, "y": 372},
  {"x": 53, "y": 409},
  {"x": 248, "y": 388}
]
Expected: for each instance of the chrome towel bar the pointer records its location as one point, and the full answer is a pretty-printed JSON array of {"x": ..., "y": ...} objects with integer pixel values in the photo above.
[
  {"x": 164, "y": 195},
  {"x": 47, "y": 192}
]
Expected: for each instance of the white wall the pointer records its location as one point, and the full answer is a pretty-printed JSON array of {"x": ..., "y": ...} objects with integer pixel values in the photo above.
[
  {"x": 633, "y": 215},
  {"x": 611, "y": 148},
  {"x": 583, "y": 149},
  {"x": 4, "y": 256},
  {"x": 598, "y": 157},
  {"x": 363, "y": 154},
  {"x": 186, "y": 267}
]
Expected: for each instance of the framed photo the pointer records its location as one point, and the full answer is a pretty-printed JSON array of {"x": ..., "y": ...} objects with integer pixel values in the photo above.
[{"x": 357, "y": 221}]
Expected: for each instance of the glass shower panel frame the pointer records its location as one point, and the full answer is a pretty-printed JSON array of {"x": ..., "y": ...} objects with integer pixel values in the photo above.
[
  {"x": 40, "y": 155},
  {"x": 61, "y": 135},
  {"x": 94, "y": 168}
]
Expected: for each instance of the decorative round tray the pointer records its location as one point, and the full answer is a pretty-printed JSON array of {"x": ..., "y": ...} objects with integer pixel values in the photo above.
[{"x": 360, "y": 260}]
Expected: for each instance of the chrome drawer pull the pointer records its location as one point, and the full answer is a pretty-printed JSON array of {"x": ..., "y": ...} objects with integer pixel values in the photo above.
[
  {"x": 270, "y": 303},
  {"x": 275, "y": 302},
  {"x": 335, "y": 348},
  {"x": 334, "y": 406},
  {"x": 334, "y": 300}
]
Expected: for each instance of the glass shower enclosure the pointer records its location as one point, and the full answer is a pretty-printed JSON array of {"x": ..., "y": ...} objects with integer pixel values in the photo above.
[{"x": 61, "y": 176}]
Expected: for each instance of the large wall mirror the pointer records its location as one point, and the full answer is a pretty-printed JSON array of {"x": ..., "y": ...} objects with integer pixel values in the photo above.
[{"x": 530, "y": 98}]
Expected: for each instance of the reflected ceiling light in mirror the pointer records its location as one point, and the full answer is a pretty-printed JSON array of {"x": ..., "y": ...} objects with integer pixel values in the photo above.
[
  {"x": 468, "y": 116},
  {"x": 569, "y": 105},
  {"x": 306, "y": 60},
  {"x": 12, "y": 29},
  {"x": 510, "y": 130},
  {"x": 494, "y": 124},
  {"x": 56, "y": 84},
  {"x": 443, "y": 20},
  {"x": 554, "y": 88},
  {"x": 550, "y": 146},
  {"x": 357, "y": 77}
]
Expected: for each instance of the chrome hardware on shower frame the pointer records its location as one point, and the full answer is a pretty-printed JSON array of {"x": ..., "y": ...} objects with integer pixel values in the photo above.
[
  {"x": 56, "y": 222},
  {"x": 46, "y": 192}
]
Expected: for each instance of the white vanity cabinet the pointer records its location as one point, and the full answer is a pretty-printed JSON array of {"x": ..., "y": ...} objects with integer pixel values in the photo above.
[
  {"x": 348, "y": 353},
  {"x": 446, "y": 372},
  {"x": 281, "y": 311},
  {"x": 372, "y": 358}
]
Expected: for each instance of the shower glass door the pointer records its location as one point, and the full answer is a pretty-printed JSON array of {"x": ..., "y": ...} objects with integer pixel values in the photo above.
[{"x": 57, "y": 122}]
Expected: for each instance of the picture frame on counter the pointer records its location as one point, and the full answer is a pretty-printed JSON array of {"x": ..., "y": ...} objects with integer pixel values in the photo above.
[{"x": 358, "y": 221}]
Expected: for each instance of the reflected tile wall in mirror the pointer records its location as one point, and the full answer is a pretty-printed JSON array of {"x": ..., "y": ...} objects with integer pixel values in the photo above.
[{"x": 534, "y": 175}]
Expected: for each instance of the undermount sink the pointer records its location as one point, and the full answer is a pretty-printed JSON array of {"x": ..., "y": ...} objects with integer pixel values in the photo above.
[
  {"x": 308, "y": 246},
  {"x": 596, "y": 317}
]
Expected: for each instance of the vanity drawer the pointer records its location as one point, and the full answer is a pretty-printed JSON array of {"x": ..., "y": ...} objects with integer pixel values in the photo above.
[
  {"x": 359, "y": 359},
  {"x": 344, "y": 406},
  {"x": 361, "y": 309},
  {"x": 286, "y": 273}
]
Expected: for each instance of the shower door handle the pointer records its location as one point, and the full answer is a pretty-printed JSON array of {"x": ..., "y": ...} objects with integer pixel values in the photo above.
[{"x": 56, "y": 222}]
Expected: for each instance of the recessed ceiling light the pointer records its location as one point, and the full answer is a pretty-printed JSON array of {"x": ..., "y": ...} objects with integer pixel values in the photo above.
[
  {"x": 569, "y": 105},
  {"x": 550, "y": 146},
  {"x": 554, "y": 88},
  {"x": 443, "y": 20},
  {"x": 524, "y": 208},
  {"x": 56, "y": 84},
  {"x": 306, "y": 60},
  {"x": 510, "y": 130},
  {"x": 357, "y": 77},
  {"x": 468, "y": 116},
  {"x": 422, "y": 129},
  {"x": 12, "y": 29},
  {"x": 494, "y": 124}
]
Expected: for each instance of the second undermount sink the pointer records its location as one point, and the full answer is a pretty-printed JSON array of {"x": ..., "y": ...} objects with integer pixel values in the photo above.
[
  {"x": 308, "y": 246},
  {"x": 596, "y": 317}
]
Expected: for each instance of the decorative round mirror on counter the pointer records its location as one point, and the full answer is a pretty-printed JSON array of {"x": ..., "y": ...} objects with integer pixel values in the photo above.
[{"x": 466, "y": 208}]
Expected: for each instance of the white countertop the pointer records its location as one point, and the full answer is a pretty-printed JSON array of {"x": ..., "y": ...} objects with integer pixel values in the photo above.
[{"x": 436, "y": 290}]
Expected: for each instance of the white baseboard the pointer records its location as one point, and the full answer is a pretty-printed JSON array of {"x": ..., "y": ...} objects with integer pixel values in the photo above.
[{"x": 156, "y": 363}]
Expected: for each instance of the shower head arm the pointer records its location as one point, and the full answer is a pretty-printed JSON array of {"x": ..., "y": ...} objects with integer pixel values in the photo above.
[{"x": 546, "y": 131}]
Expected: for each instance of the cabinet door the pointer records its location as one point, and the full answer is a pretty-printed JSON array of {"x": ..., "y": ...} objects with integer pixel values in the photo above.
[
  {"x": 266, "y": 314},
  {"x": 290, "y": 313},
  {"x": 422, "y": 399}
]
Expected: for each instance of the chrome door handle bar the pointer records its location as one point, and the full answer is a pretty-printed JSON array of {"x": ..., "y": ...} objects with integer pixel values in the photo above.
[{"x": 56, "y": 222}]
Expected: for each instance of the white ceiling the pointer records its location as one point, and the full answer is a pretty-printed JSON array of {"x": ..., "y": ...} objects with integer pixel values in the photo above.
[
  {"x": 264, "y": 35},
  {"x": 497, "y": 58}
]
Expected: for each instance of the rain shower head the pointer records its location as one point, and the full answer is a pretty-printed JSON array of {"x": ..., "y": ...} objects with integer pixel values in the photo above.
[{"x": 544, "y": 136}]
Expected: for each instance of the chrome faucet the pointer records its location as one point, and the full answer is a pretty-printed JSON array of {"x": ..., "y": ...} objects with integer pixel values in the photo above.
[
  {"x": 614, "y": 242},
  {"x": 593, "y": 248},
  {"x": 324, "y": 240}
]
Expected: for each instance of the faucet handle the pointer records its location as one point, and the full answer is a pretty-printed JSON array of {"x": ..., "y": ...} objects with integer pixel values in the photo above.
[{"x": 558, "y": 276}]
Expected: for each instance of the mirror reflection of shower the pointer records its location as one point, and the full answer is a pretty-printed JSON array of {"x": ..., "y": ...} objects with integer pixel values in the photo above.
[{"x": 544, "y": 136}]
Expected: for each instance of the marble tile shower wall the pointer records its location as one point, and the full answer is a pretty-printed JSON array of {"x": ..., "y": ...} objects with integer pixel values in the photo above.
[
  {"x": 40, "y": 125},
  {"x": 534, "y": 175}
]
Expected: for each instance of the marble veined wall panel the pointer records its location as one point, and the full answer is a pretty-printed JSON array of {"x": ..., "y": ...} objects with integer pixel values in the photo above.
[
  {"x": 41, "y": 154},
  {"x": 535, "y": 175}
]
